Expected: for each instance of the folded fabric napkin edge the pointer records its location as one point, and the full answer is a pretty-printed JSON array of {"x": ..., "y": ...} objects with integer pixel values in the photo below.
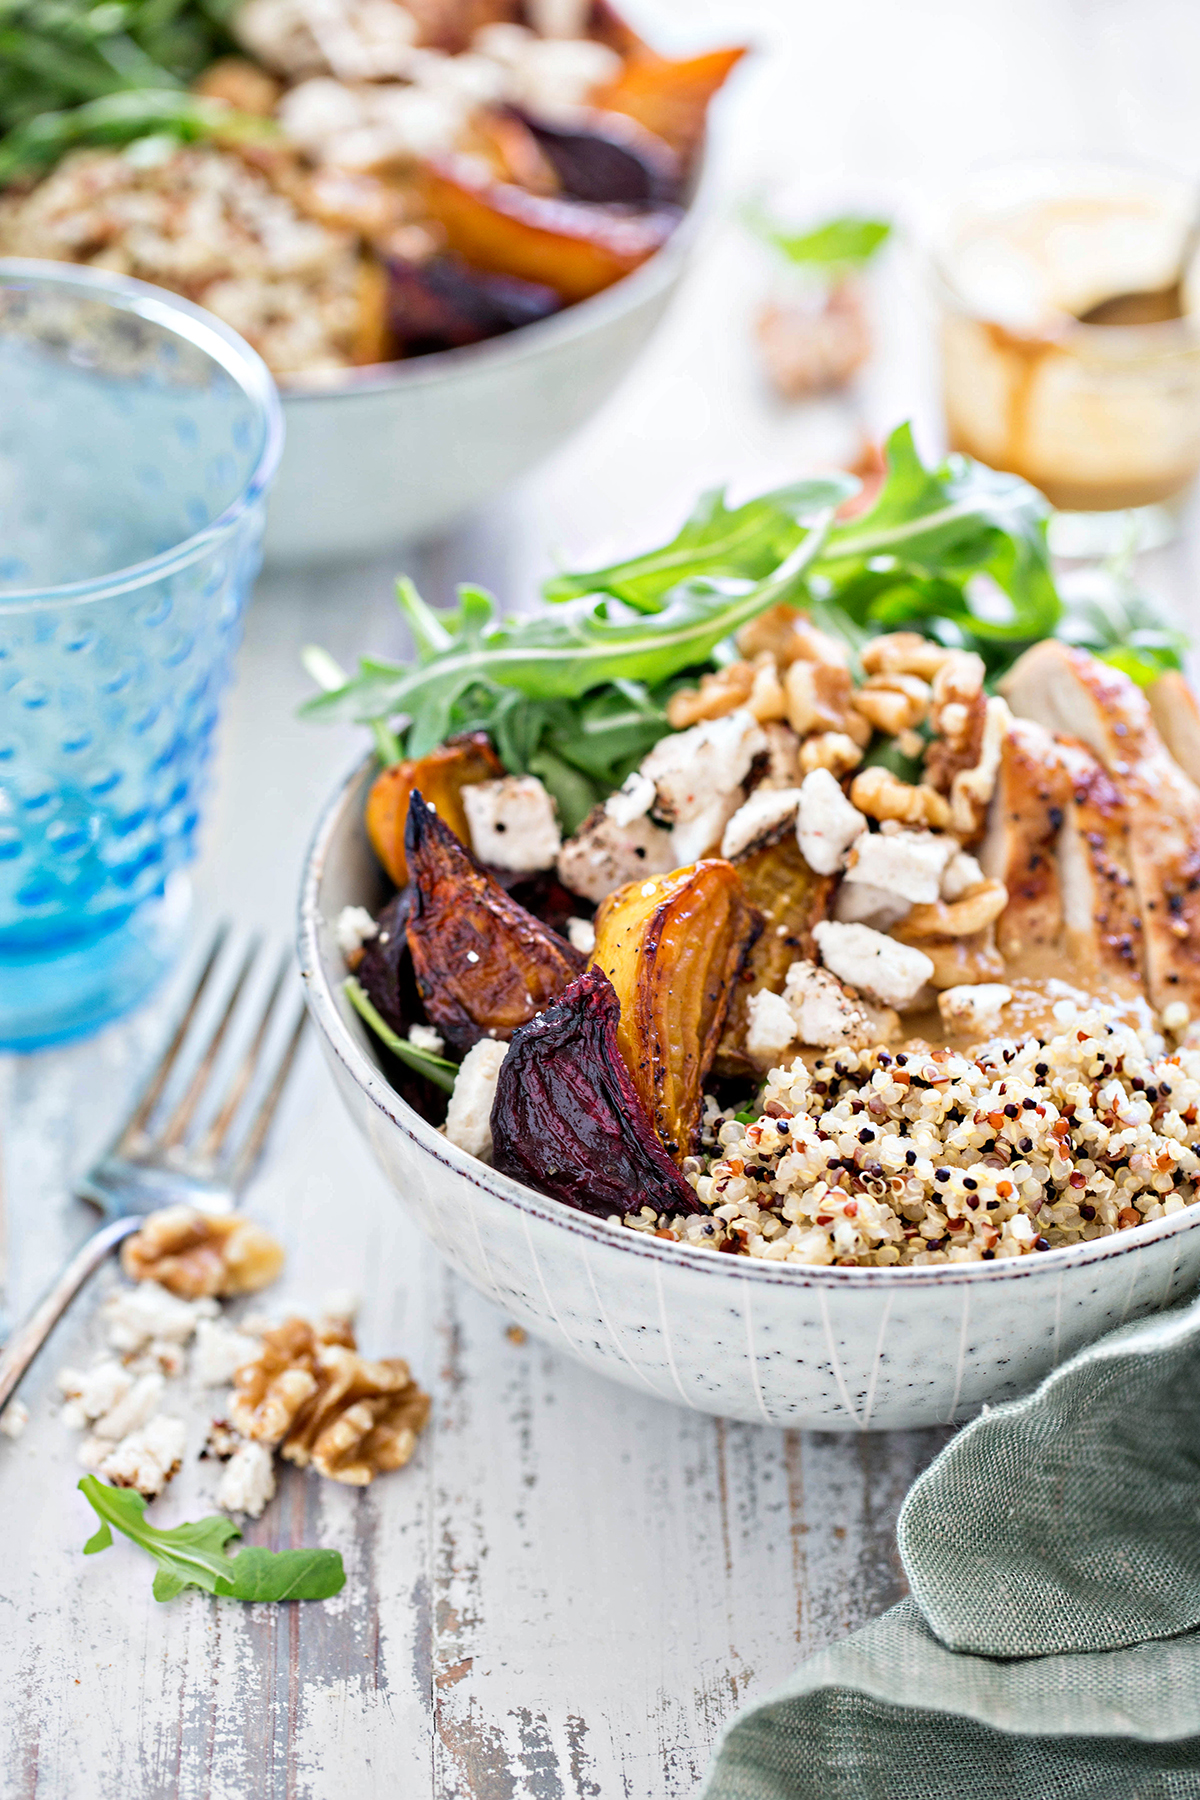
[{"x": 1019, "y": 1590}]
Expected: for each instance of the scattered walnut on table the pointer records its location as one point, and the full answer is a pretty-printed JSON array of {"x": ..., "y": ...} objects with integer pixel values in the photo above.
[
  {"x": 196, "y": 1254},
  {"x": 311, "y": 1395}
]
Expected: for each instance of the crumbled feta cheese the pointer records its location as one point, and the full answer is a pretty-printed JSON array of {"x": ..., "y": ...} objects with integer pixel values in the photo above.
[
  {"x": 908, "y": 864},
  {"x": 690, "y": 769},
  {"x": 826, "y": 823},
  {"x": 975, "y": 1007},
  {"x": 581, "y": 934},
  {"x": 92, "y": 1393},
  {"x": 1176, "y": 1017},
  {"x": 823, "y": 1013},
  {"x": 469, "y": 1115},
  {"x": 632, "y": 799},
  {"x": 248, "y": 1480},
  {"x": 219, "y": 1349},
  {"x": 858, "y": 903},
  {"x": 513, "y": 823},
  {"x": 424, "y": 1037},
  {"x": 961, "y": 872},
  {"x": 550, "y": 76},
  {"x": 135, "y": 1316},
  {"x": 145, "y": 1460},
  {"x": 222, "y": 1441},
  {"x": 770, "y": 1028},
  {"x": 131, "y": 1410},
  {"x": 604, "y": 855},
  {"x": 14, "y": 1418},
  {"x": 891, "y": 972},
  {"x": 353, "y": 928},
  {"x": 698, "y": 836},
  {"x": 763, "y": 812}
]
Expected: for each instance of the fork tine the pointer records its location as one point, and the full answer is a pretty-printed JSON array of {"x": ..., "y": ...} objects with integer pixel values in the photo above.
[
  {"x": 214, "y": 1137},
  {"x": 176, "y": 1126},
  {"x": 152, "y": 1092},
  {"x": 252, "y": 1147}
]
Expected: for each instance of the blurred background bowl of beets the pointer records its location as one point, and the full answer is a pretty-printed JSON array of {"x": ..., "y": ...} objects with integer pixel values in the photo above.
[{"x": 499, "y": 372}]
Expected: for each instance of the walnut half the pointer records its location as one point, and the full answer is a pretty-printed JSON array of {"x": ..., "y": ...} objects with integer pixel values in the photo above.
[
  {"x": 195, "y": 1254},
  {"x": 312, "y": 1396}
]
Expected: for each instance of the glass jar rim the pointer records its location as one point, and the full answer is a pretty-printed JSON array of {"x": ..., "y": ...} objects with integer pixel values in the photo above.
[
  {"x": 1163, "y": 337},
  {"x": 206, "y": 333}
]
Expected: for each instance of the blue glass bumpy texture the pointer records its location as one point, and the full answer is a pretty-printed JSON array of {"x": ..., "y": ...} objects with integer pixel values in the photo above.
[
  {"x": 107, "y": 716},
  {"x": 136, "y": 442}
]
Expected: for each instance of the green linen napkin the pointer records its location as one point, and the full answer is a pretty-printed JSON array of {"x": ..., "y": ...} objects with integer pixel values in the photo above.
[{"x": 1050, "y": 1648}]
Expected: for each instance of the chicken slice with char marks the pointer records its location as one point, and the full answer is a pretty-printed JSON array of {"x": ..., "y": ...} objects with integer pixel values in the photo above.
[
  {"x": 1033, "y": 792},
  {"x": 1175, "y": 712},
  {"x": 1102, "y": 927},
  {"x": 1074, "y": 694}
]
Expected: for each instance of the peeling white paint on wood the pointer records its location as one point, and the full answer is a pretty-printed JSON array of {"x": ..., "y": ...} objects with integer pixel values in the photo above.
[{"x": 573, "y": 1584}]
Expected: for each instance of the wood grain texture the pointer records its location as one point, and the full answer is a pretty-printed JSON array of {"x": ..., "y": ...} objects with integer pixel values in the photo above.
[{"x": 573, "y": 1585}]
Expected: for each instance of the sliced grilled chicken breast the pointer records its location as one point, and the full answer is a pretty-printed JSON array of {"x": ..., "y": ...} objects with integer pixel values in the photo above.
[
  {"x": 1032, "y": 794},
  {"x": 1175, "y": 712},
  {"x": 1070, "y": 692},
  {"x": 1102, "y": 927}
]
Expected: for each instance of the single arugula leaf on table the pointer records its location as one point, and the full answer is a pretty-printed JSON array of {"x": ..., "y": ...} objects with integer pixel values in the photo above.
[
  {"x": 193, "y": 1555},
  {"x": 834, "y": 250}
]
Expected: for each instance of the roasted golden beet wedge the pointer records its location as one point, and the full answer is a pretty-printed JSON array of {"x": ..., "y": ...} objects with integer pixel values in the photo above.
[
  {"x": 483, "y": 964},
  {"x": 441, "y": 776},
  {"x": 568, "y": 1121},
  {"x": 567, "y": 245},
  {"x": 672, "y": 948},
  {"x": 778, "y": 882}
]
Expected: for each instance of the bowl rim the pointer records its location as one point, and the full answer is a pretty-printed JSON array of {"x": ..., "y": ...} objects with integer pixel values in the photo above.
[
  {"x": 223, "y": 346},
  {"x": 574, "y": 321},
  {"x": 368, "y": 1077}
]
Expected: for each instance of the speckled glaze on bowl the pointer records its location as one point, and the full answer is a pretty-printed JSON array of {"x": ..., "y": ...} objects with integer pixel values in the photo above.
[{"x": 827, "y": 1348}]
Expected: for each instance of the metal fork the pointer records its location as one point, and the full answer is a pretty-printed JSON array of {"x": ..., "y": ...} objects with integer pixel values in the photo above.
[{"x": 151, "y": 1164}]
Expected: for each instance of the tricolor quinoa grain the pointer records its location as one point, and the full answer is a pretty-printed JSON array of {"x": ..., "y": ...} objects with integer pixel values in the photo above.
[{"x": 877, "y": 1157}]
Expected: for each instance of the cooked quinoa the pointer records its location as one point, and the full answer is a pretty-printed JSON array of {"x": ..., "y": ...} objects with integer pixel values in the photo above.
[
  {"x": 878, "y": 1156},
  {"x": 201, "y": 222}
]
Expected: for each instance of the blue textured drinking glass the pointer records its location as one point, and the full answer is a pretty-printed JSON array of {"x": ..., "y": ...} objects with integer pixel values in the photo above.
[{"x": 138, "y": 439}]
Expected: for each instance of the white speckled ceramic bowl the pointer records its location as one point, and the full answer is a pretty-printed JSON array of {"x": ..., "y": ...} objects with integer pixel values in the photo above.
[{"x": 833, "y": 1349}]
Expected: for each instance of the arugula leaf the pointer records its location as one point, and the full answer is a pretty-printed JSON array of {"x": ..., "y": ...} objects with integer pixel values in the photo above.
[
  {"x": 836, "y": 249},
  {"x": 750, "y": 541},
  {"x": 438, "y": 1069},
  {"x": 566, "y": 654},
  {"x": 119, "y": 118},
  {"x": 193, "y": 1555}
]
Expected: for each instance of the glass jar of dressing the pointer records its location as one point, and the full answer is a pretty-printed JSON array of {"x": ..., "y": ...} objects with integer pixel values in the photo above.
[{"x": 1070, "y": 336}]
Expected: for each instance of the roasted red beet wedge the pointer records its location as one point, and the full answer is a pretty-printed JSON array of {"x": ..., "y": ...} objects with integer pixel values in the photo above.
[
  {"x": 483, "y": 964},
  {"x": 567, "y": 1119}
]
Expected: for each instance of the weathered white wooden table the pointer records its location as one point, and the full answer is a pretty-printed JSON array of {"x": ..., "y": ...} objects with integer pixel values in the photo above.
[{"x": 572, "y": 1585}]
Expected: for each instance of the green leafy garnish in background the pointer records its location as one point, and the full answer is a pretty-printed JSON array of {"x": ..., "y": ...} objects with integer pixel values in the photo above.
[
  {"x": 438, "y": 1069},
  {"x": 193, "y": 1555},
  {"x": 839, "y": 248},
  {"x": 1108, "y": 614},
  {"x": 578, "y": 694}
]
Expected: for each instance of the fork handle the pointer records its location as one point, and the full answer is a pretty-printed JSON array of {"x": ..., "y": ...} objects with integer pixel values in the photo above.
[{"x": 25, "y": 1342}]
